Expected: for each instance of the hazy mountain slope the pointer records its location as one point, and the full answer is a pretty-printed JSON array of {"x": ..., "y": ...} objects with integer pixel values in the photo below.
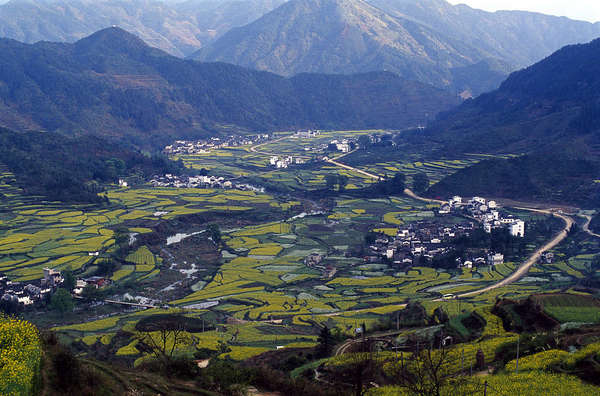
[
  {"x": 112, "y": 83},
  {"x": 178, "y": 28},
  {"x": 429, "y": 40},
  {"x": 341, "y": 36},
  {"x": 519, "y": 38}
]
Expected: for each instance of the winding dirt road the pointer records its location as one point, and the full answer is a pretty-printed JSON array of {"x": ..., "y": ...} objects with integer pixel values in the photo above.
[
  {"x": 586, "y": 226},
  {"x": 530, "y": 262}
]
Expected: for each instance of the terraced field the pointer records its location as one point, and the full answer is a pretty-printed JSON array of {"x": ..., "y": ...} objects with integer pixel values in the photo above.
[
  {"x": 35, "y": 234},
  {"x": 263, "y": 293}
]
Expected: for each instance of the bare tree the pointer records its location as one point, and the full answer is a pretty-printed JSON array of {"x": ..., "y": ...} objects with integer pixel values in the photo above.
[
  {"x": 426, "y": 370},
  {"x": 164, "y": 337}
]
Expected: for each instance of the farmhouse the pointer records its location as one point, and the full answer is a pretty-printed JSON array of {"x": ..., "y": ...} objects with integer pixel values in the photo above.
[
  {"x": 307, "y": 133},
  {"x": 52, "y": 278},
  {"x": 495, "y": 259}
]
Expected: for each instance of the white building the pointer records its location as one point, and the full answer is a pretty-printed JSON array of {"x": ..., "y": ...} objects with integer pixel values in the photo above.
[
  {"x": 479, "y": 200},
  {"x": 517, "y": 228},
  {"x": 495, "y": 259},
  {"x": 492, "y": 205},
  {"x": 343, "y": 147},
  {"x": 455, "y": 201}
]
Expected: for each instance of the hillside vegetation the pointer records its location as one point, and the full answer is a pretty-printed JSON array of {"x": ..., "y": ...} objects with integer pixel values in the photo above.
[
  {"x": 549, "y": 112},
  {"x": 113, "y": 84},
  {"x": 73, "y": 169},
  {"x": 534, "y": 178}
]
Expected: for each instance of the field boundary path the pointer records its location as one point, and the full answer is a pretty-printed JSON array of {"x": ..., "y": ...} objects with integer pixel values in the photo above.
[
  {"x": 353, "y": 169},
  {"x": 254, "y": 148}
]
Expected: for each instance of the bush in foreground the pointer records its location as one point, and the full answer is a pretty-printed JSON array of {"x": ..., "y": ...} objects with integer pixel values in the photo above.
[{"x": 20, "y": 357}]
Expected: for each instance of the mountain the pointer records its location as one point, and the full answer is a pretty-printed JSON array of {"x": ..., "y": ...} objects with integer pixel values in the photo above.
[
  {"x": 466, "y": 50},
  {"x": 519, "y": 38},
  {"x": 341, "y": 36},
  {"x": 428, "y": 40},
  {"x": 549, "y": 115},
  {"x": 113, "y": 84},
  {"x": 556, "y": 101},
  {"x": 179, "y": 28}
]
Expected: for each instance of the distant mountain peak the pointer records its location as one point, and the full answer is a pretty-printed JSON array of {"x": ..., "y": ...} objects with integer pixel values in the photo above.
[{"x": 113, "y": 39}]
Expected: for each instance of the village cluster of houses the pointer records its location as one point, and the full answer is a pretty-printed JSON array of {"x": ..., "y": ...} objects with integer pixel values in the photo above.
[
  {"x": 285, "y": 161},
  {"x": 199, "y": 181},
  {"x": 30, "y": 293},
  {"x": 20, "y": 293},
  {"x": 205, "y": 146},
  {"x": 418, "y": 241},
  {"x": 487, "y": 213}
]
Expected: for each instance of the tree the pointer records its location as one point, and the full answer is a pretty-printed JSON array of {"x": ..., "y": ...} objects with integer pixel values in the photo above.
[
  {"x": 342, "y": 182},
  {"x": 62, "y": 301},
  {"x": 122, "y": 242},
  {"x": 106, "y": 267},
  {"x": 370, "y": 238},
  {"x": 90, "y": 293},
  {"x": 330, "y": 181},
  {"x": 215, "y": 233},
  {"x": 69, "y": 281},
  {"x": 398, "y": 183},
  {"x": 364, "y": 141},
  {"x": 480, "y": 359},
  {"x": 420, "y": 182},
  {"x": 427, "y": 370},
  {"x": 163, "y": 337},
  {"x": 441, "y": 315},
  {"x": 326, "y": 342}
]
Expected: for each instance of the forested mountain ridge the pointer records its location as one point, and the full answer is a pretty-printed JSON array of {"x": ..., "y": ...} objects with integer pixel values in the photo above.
[
  {"x": 73, "y": 169},
  {"x": 466, "y": 50},
  {"x": 548, "y": 114},
  {"x": 556, "y": 101},
  {"x": 113, "y": 84}
]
